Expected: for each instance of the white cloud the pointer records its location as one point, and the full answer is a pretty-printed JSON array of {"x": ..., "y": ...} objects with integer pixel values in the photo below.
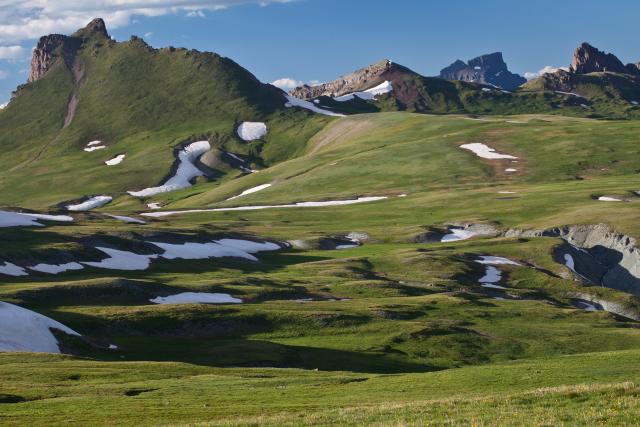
[
  {"x": 13, "y": 52},
  {"x": 30, "y": 19},
  {"x": 287, "y": 83},
  {"x": 149, "y": 34},
  {"x": 547, "y": 69},
  {"x": 3, "y": 74},
  {"x": 196, "y": 14}
]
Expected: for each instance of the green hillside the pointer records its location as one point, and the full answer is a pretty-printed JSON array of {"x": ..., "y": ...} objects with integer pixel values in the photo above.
[{"x": 468, "y": 290}]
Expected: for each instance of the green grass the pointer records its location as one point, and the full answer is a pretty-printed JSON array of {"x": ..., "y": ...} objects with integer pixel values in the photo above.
[{"x": 398, "y": 332}]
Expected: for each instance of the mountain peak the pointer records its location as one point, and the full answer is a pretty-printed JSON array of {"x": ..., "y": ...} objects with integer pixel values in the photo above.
[
  {"x": 588, "y": 59},
  {"x": 95, "y": 27},
  {"x": 489, "y": 68}
]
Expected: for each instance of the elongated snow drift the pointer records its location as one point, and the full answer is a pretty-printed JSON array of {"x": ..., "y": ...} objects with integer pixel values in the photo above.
[{"x": 186, "y": 172}]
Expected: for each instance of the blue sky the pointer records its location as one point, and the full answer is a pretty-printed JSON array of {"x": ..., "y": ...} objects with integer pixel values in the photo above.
[{"x": 309, "y": 40}]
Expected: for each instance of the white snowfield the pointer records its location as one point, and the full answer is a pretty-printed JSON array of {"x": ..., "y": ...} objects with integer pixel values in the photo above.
[
  {"x": 116, "y": 160},
  {"x": 250, "y": 131},
  {"x": 16, "y": 219},
  {"x": 127, "y": 219},
  {"x": 292, "y": 101},
  {"x": 217, "y": 249},
  {"x": 486, "y": 89},
  {"x": 457, "y": 234},
  {"x": 26, "y": 330},
  {"x": 369, "y": 94},
  {"x": 10, "y": 269},
  {"x": 511, "y": 170},
  {"x": 122, "y": 260},
  {"x": 197, "y": 298},
  {"x": 254, "y": 208},
  {"x": 635, "y": 102},
  {"x": 251, "y": 190},
  {"x": 608, "y": 199},
  {"x": 92, "y": 203},
  {"x": 56, "y": 268},
  {"x": 187, "y": 171},
  {"x": 486, "y": 152}
]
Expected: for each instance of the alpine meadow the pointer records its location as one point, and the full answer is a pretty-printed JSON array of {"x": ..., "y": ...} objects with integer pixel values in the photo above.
[{"x": 183, "y": 244}]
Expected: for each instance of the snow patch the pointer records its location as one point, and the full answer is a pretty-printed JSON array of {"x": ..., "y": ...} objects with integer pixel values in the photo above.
[
  {"x": 495, "y": 260},
  {"x": 250, "y": 131},
  {"x": 635, "y": 102},
  {"x": 251, "y": 190},
  {"x": 217, "y": 249},
  {"x": 369, "y": 94},
  {"x": 92, "y": 203},
  {"x": 197, "y": 298},
  {"x": 116, "y": 160},
  {"x": 457, "y": 234},
  {"x": 26, "y": 330},
  {"x": 127, "y": 219},
  {"x": 122, "y": 260},
  {"x": 608, "y": 199},
  {"x": 56, "y": 268},
  {"x": 93, "y": 146},
  {"x": 568, "y": 261},
  {"x": 510, "y": 170},
  {"x": 253, "y": 208},
  {"x": 486, "y": 89},
  {"x": 12, "y": 270},
  {"x": 486, "y": 152},
  {"x": 16, "y": 219},
  {"x": 292, "y": 101},
  {"x": 187, "y": 171}
]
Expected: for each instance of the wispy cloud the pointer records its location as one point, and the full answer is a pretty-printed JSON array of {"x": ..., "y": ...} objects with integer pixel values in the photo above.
[
  {"x": 3, "y": 74},
  {"x": 195, "y": 14},
  {"x": 30, "y": 19},
  {"x": 287, "y": 83},
  {"x": 13, "y": 52},
  {"x": 547, "y": 69}
]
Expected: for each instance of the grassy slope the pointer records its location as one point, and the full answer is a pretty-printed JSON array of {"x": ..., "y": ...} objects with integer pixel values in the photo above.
[
  {"x": 536, "y": 392},
  {"x": 202, "y": 96}
]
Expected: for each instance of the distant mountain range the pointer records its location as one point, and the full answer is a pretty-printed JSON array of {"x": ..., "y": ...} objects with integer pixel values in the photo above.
[{"x": 488, "y": 69}]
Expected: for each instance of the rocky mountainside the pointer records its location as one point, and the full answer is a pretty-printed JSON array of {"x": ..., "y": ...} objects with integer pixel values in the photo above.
[
  {"x": 587, "y": 59},
  {"x": 487, "y": 69},
  {"x": 594, "y": 75},
  {"x": 361, "y": 79}
]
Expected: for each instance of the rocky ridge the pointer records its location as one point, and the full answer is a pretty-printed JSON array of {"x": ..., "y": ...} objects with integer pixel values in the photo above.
[{"x": 361, "y": 79}]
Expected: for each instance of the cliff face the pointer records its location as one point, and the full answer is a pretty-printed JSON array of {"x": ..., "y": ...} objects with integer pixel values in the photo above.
[
  {"x": 364, "y": 78},
  {"x": 487, "y": 69},
  {"x": 49, "y": 49},
  {"x": 59, "y": 47},
  {"x": 587, "y": 59}
]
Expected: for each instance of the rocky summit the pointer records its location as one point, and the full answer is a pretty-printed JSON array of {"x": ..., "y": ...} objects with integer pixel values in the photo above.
[
  {"x": 587, "y": 59},
  {"x": 488, "y": 69}
]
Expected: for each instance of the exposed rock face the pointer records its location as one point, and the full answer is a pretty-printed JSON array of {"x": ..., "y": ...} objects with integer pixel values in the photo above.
[
  {"x": 600, "y": 255},
  {"x": 54, "y": 46},
  {"x": 588, "y": 59},
  {"x": 487, "y": 69},
  {"x": 362, "y": 79},
  {"x": 48, "y": 50}
]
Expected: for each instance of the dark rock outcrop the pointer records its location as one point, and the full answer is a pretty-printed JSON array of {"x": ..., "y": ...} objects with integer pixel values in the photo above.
[
  {"x": 587, "y": 59},
  {"x": 488, "y": 69}
]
